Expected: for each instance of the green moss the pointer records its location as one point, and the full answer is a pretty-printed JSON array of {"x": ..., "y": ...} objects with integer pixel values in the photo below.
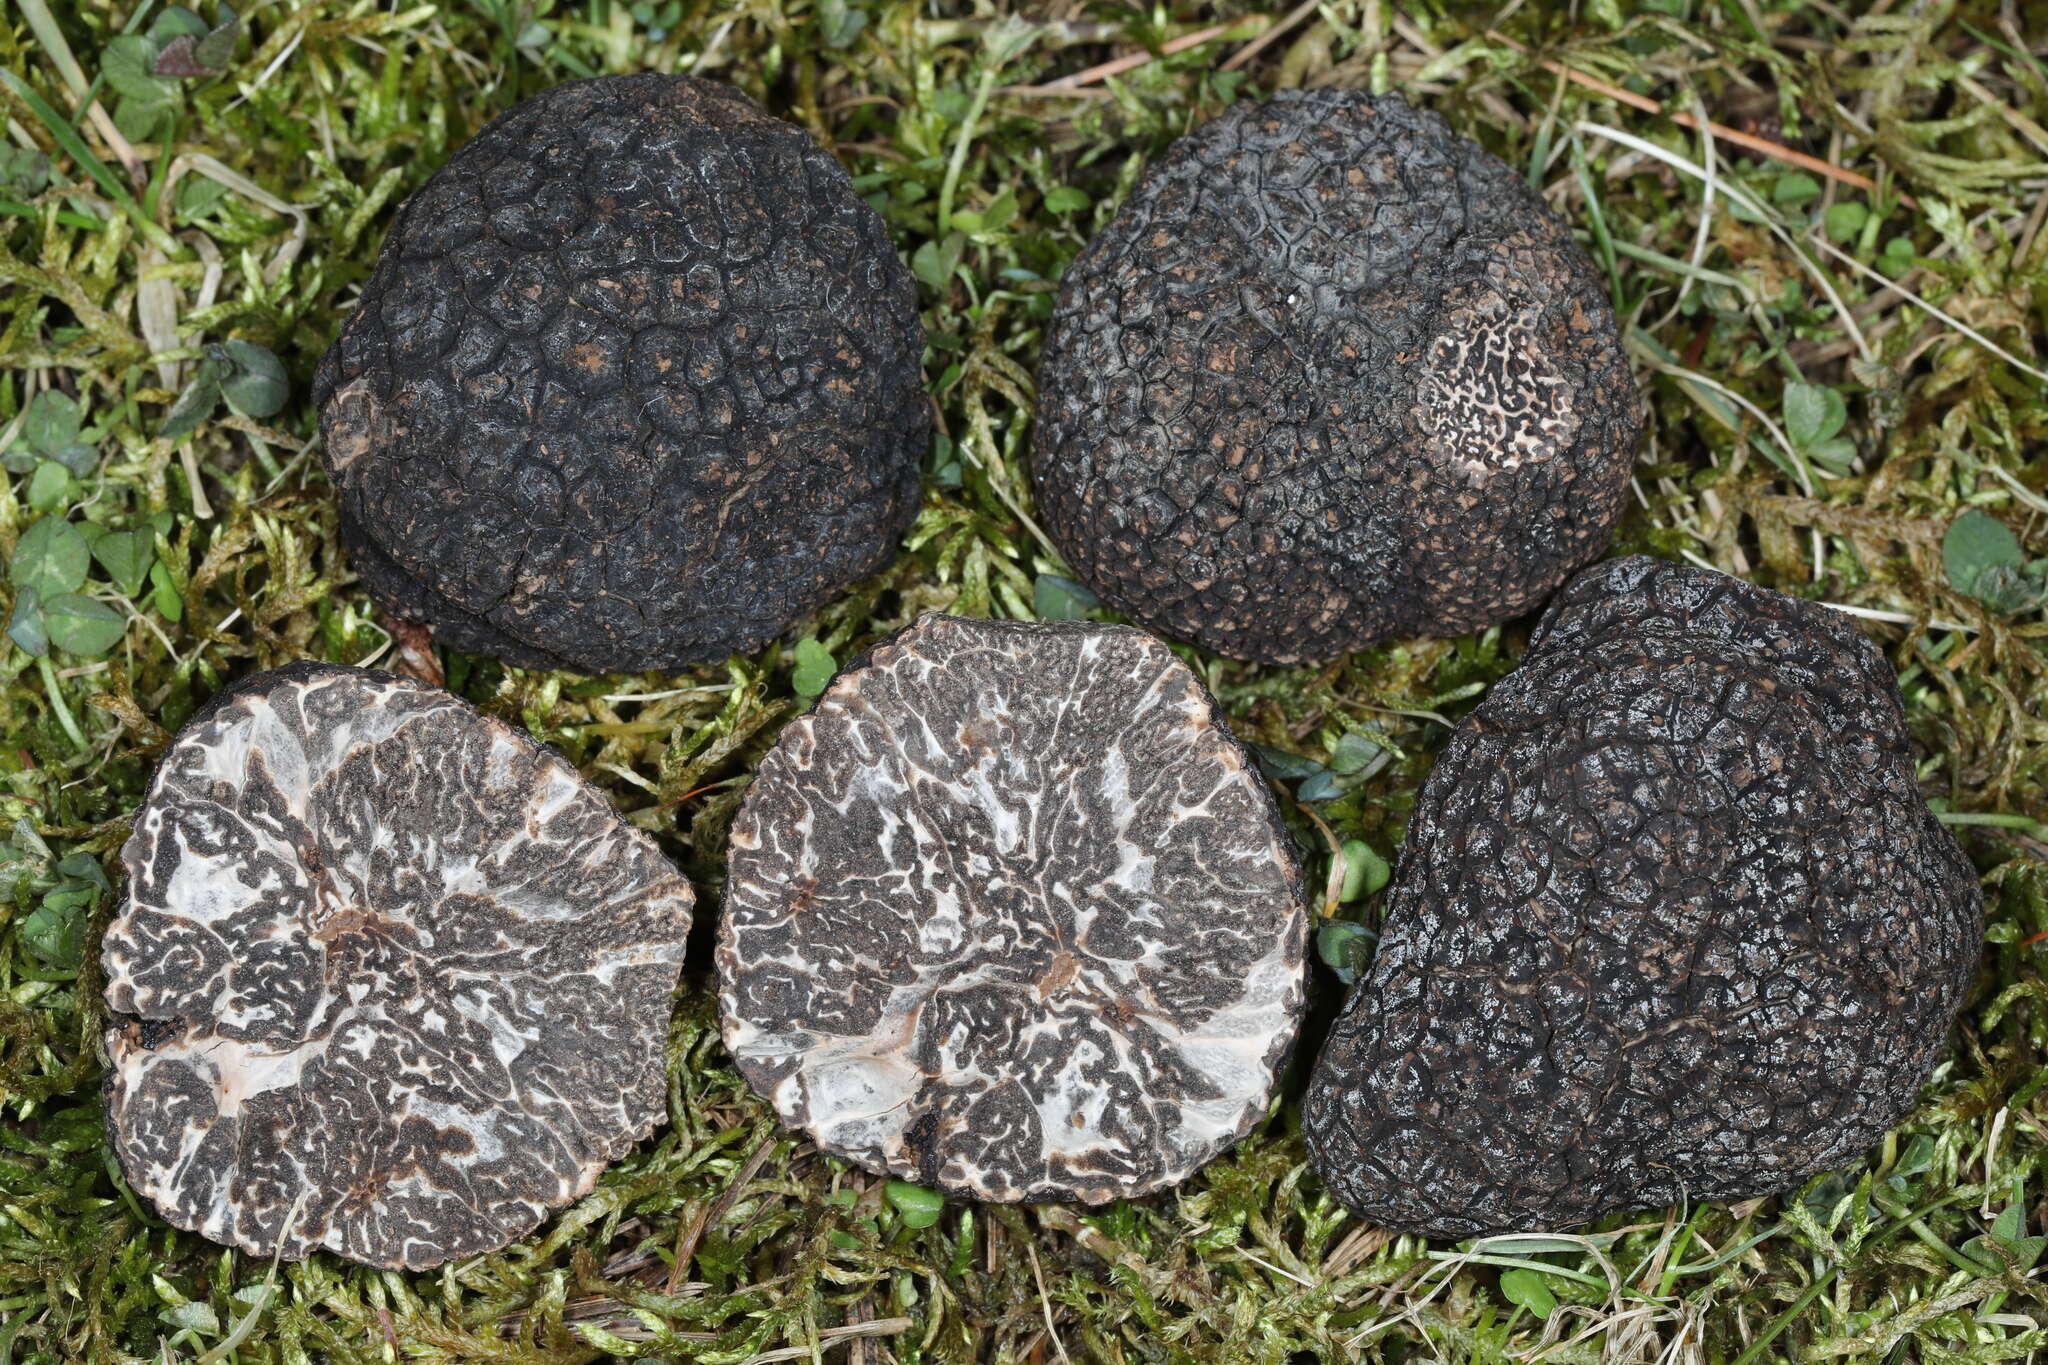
[{"x": 257, "y": 210}]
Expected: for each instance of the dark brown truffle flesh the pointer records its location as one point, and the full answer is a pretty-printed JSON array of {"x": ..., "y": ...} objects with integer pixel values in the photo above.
[
  {"x": 635, "y": 384},
  {"x": 1672, "y": 922},
  {"x": 1333, "y": 373},
  {"x": 1010, "y": 913},
  {"x": 390, "y": 980}
]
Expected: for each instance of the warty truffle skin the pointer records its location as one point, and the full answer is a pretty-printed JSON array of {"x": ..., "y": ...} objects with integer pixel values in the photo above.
[
  {"x": 390, "y": 980},
  {"x": 1332, "y": 374},
  {"x": 635, "y": 384},
  {"x": 1672, "y": 922},
  {"x": 1012, "y": 914}
]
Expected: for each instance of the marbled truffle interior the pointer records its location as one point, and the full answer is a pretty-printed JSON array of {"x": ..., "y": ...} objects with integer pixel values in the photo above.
[
  {"x": 1010, "y": 913},
  {"x": 386, "y": 960}
]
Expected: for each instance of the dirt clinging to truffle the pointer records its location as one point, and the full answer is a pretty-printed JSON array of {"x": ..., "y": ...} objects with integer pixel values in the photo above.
[
  {"x": 1331, "y": 374},
  {"x": 387, "y": 960},
  {"x": 635, "y": 384},
  {"x": 1672, "y": 922},
  {"x": 1010, "y": 913}
]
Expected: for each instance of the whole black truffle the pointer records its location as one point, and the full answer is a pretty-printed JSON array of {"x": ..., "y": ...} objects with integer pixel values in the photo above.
[
  {"x": 635, "y": 384},
  {"x": 1010, "y": 913},
  {"x": 1332, "y": 374},
  {"x": 1672, "y": 922},
  {"x": 390, "y": 980}
]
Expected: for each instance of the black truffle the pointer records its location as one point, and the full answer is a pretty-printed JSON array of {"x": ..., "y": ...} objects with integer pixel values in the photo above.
[
  {"x": 1332, "y": 374},
  {"x": 1672, "y": 922},
  {"x": 635, "y": 384},
  {"x": 390, "y": 979},
  {"x": 1011, "y": 914}
]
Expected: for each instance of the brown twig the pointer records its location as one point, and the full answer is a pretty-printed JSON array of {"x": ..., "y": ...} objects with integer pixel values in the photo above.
[
  {"x": 1762, "y": 146},
  {"x": 686, "y": 1248},
  {"x": 1271, "y": 35},
  {"x": 1067, "y": 84}
]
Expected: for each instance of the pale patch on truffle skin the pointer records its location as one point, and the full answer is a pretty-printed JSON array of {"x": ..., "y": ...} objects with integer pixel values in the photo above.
[
  {"x": 387, "y": 954},
  {"x": 1010, "y": 913},
  {"x": 1331, "y": 374},
  {"x": 1672, "y": 922}
]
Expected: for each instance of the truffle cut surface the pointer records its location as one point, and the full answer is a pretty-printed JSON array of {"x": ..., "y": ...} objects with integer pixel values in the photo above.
[
  {"x": 390, "y": 980},
  {"x": 635, "y": 383},
  {"x": 1672, "y": 922},
  {"x": 1333, "y": 373},
  {"x": 1011, "y": 914}
]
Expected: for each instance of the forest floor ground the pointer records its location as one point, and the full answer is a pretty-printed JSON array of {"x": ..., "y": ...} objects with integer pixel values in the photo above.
[{"x": 1835, "y": 305}]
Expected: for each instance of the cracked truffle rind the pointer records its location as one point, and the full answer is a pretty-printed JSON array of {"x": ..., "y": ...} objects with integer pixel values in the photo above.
[
  {"x": 635, "y": 384},
  {"x": 387, "y": 954},
  {"x": 1012, "y": 914},
  {"x": 1332, "y": 373},
  {"x": 1672, "y": 922}
]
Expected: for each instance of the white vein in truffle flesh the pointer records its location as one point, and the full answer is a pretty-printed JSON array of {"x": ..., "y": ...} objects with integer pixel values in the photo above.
[
  {"x": 388, "y": 952},
  {"x": 1009, "y": 913}
]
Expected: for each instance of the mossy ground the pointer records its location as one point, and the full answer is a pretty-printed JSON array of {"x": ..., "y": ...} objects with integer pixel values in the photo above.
[{"x": 249, "y": 206}]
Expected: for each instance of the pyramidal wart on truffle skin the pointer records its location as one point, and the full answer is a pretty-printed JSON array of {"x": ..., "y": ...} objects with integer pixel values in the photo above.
[
  {"x": 390, "y": 979},
  {"x": 635, "y": 384},
  {"x": 1012, "y": 914},
  {"x": 1672, "y": 922},
  {"x": 1332, "y": 373}
]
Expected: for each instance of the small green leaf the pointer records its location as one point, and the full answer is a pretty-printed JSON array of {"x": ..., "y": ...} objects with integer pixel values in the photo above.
[
  {"x": 51, "y": 557},
  {"x": 1066, "y": 199},
  {"x": 24, "y": 172},
  {"x": 839, "y": 23},
  {"x": 127, "y": 557},
  {"x": 51, "y": 487},
  {"x": 177, "y": 21},
  {"x": 1283, "y": 766},
  {"x": 79, "y": 865},
  {"x": 1917, "y": 1159},
  {"x": 1813, "y": 414},
  {"x": 1795, "y": 188},
  {"x": 169, "y": 604},
  {"x": 1526, "y": 1289},
  {"x": 1323, "y": 786},
  {"x": 52, "y": 422},
  {"x": 1353, "y": 752},
  {"x": 55, "y": 931},
  {"x": 125, "y": 66},
  {"x": 80, "y": 625},
  {"x": 199, "y": 195},
  {"x": 917, "y": 1206},
  {"x": 934, "y": 262},
  {"x": 814, "y": 668},
  {"x": 195, "y": 404},
  {"x": 25, "y": 623},
  {"x": 1844, "y": 220},
  {"x": 1365, "y": 871},
  {"x": 1343, "y": 946},
  {"x": 194, "y": 1317},
  {"x": 1837, "y": 453},
  {"x": 1061, "y": 599},
  {"x": 1976, "y": 544},
  {"x": 254, "y": 383},
  {"x": 205, "y": 53}
]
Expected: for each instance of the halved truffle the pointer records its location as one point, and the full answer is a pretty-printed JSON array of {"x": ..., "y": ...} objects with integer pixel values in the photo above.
[
  {"x": 1333, "y": 373},
  {"x": 1011, "y": 914},
  {"x": 635, "y": 384},
  {"x": 1672, "y": 922},
  {"x": 387, "y": 960}
]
